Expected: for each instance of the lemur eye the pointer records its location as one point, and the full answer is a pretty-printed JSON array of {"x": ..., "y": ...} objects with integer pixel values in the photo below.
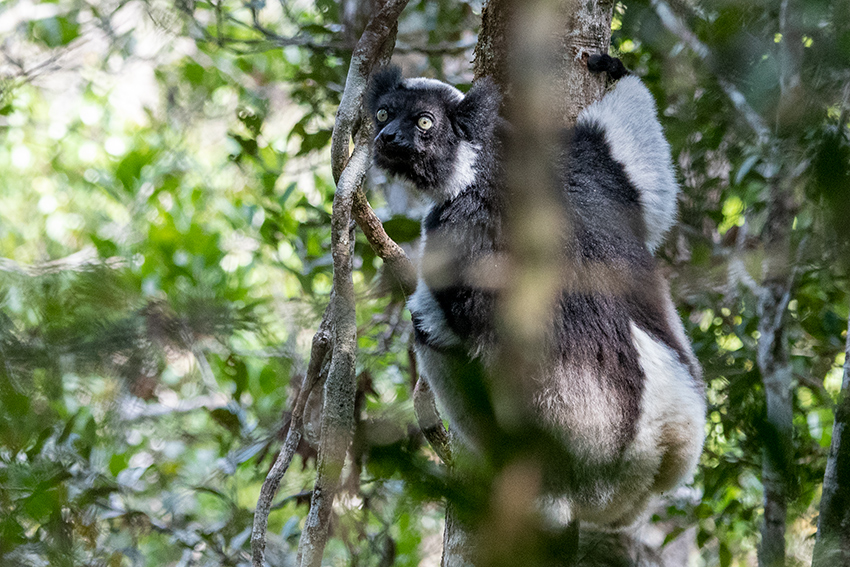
[
  {"x": 381, "y": 115},
  {"x": 425, "y": 122}
]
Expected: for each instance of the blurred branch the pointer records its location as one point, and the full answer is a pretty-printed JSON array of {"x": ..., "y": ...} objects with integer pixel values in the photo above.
[
  {"x": 833, "y": 537},
  {"x": 272, "y": 40},
  {"x": 430, "y": 422},
  {"x": 85, "y": 259},
  {"x": 132, "y": 409},
  {"x": 677, "y": 27}
]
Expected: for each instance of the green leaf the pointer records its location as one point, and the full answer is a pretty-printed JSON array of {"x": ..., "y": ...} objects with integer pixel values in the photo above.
[
  {"x": 724, "y": 554},
  {"x": 194, "y": 73},
  {"x": 118, "y": 462},
  {"x": 227, "y": 419},
  {"x": 56, "y": 31},
  {"x": 129, "y": 169}
]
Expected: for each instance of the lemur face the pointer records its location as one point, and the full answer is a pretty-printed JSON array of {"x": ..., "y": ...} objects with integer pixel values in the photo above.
[{"x": 426, "y": 130}]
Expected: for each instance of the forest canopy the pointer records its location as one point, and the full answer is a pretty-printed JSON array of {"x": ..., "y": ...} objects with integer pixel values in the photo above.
[{"x": 166, "y": 204}]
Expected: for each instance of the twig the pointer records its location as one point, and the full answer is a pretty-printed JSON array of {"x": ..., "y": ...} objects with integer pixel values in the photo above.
[{"x": 385, "y": 247}]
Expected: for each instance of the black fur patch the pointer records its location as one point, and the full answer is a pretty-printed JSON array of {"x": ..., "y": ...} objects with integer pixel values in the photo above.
[
  {"x": 604, "y": 63},
  {"x": 427, "y": 157}
]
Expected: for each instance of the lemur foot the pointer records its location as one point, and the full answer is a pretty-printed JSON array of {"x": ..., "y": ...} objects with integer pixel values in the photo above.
[{"x": 604, "y": 63}]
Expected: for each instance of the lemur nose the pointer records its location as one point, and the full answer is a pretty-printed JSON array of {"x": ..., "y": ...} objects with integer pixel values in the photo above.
[{"x": 387, "y": 136}]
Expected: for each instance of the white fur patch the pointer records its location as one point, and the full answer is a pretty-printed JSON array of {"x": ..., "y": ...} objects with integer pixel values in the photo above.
[
  {"x": 424, "y": 83},
  {"x": 433, "y": 323},
  {"x": 671, "y": 427},
  {"x": 629, "y": 119},
  {"x": 576, "y": 401},
  {"x": 463, "y": 174}
]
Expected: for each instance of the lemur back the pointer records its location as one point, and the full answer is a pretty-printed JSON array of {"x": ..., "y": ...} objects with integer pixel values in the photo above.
[{"x": 620, "y": 386}]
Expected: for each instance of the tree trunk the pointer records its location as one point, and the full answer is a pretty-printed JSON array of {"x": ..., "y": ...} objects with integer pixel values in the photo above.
[
  {"x": 833, "y": 544},
  {"x": 774, "y": 364},
  {"x": 575, "y": 30}
]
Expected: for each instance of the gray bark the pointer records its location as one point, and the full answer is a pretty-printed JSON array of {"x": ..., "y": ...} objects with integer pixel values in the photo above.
[
  {"x": 349, "y": 171},
  {"x": 832, "y": 548}
]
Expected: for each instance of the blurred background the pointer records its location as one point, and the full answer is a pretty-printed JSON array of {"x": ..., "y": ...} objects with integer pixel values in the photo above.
[{"x": 165, "y": 197}]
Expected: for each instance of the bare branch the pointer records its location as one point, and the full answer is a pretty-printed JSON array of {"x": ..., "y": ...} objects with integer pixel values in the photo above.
[
  {"x": 430, "y": 422},
  {"x": 267, "y": 494},
  {"x": 385, "y": 247},
  {"x": 318, "y": 353},
  {"x": 81, "y": 261}
]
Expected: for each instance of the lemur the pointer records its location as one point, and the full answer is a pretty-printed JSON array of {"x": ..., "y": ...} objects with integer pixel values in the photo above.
[{"x": 620, "y": 386}]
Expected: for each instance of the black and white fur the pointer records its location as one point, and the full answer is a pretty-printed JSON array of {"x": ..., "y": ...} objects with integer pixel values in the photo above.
[{"x": 621, "y": 386}]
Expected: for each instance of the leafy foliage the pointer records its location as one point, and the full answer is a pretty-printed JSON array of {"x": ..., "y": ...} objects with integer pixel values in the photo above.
[{"x": 164, "y": 233}]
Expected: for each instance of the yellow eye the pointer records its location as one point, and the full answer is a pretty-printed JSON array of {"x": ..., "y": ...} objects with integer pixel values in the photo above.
[
  {"x": 425, "y": 122},
  {"x": 381, "y": 115}
]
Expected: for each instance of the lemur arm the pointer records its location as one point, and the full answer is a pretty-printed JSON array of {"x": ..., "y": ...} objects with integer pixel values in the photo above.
[{"x": 628, "y": 118}]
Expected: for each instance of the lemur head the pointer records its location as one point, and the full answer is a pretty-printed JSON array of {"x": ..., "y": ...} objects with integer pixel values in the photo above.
[{"x": 430, "y": 133}]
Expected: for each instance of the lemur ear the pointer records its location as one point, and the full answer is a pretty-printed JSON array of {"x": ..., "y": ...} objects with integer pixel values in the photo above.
[
  {"x": 478, "y": 112},
  {"x": 383, "y": 80}
]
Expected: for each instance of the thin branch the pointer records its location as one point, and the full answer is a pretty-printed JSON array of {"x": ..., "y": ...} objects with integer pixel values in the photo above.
[
  {"x": 81, "y": 261},
  {"x": 272, "y": 40},
  {"x": 385, "y": 247},
  {"x": 319, "y": 351},
  {"x": 430, "y": 422},
  {"x": 267, "y": 493}
]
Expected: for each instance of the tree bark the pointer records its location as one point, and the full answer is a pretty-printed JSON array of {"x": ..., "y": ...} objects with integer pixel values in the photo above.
[
  {"x": 576, "y": 29},
  {"x": 832, "y": 548},
  {"x": 775, "y": 366}
]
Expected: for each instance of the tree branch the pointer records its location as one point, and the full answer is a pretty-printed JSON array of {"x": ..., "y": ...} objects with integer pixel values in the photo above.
[
  {"x": 430, "y": 422},
  {"x": 318, "y": 353},
  {"x": 385, "y": 247},
  {"x": 833, "y": 540},
  {"x": 349, "y": 173},
  {"x": 81, "y": 261}
]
